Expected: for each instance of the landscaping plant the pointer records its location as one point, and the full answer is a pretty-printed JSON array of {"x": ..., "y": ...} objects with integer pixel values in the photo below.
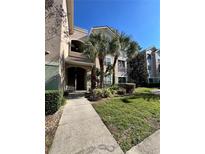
[{"x": 53, "y": 99}]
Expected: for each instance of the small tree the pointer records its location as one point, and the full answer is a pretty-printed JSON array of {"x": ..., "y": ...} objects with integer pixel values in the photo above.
[{"x": 138, "y": 70}]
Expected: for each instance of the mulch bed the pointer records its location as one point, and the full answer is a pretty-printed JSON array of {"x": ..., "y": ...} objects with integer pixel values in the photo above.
[{"x": 51, "y": 125}]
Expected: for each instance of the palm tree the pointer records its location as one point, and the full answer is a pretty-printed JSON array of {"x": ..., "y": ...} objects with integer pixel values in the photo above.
[
  {"x": 121, "y": 43},
  {"x": 91, "y": 52},
  {"x": 102, "y": 52},
  {"x": 97, "y": 46}
]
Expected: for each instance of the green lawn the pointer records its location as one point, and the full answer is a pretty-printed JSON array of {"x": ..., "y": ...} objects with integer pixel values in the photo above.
[{"x": 131, "y": 119}]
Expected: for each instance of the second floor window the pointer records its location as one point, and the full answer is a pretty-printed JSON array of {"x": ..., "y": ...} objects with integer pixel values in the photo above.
[{"x": 76, "y": 46}]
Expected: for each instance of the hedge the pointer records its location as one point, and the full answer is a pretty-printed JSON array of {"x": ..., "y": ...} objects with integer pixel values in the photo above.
[
  {"x": 121, "y": 91},
  {"x": 52, "y": 101},
  {"x": 130, "y": 87},
  {"x": 153, "y": 85}
]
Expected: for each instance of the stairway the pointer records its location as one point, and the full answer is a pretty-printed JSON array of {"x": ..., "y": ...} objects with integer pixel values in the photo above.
[{"x": 76, "y": 94}]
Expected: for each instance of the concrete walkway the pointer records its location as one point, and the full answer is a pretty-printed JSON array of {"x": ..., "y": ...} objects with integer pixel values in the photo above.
[
  {"x": 81, "y": 131},
  {"x": 151, "y": 145}
]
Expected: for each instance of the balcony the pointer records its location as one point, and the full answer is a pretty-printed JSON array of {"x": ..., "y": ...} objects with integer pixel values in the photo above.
[
  {"x": 77, "y": 55},
  {"x": 78, "y": 59},
  {"x": 121, "y": 69}
]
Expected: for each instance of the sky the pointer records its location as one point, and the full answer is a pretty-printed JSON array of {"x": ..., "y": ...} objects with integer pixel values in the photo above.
[{"x": 138, "y": 18}]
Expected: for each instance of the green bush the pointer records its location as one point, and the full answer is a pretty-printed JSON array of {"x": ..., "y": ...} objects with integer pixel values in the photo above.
[
  {"x": 130, "y": 87},
  {"x": 106, "y": 93},
  {"x": 153, "y": 85},
  {"x": 113, "y": 89},
  {"x": 97, "y": 92},
  {"x": 53, "y": 100},
  {"x": 121, "y": 91}
]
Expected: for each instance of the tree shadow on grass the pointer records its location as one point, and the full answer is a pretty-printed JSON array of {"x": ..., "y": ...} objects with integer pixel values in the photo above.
[{"x": 145, "y": 96}]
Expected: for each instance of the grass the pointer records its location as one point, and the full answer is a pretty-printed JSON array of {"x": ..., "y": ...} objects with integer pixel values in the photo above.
[
  {"x": 144, "y": 90},
  {"x": 132, "y": 118}
]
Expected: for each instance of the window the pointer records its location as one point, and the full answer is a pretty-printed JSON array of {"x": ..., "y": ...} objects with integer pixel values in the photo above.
[
  {"x": 148, "y": 56},
  {"x": 121, "y": 66},
  {"x": 121, "y": 79},
  {"x": 149, "y": 67},
  {"x": 107, "y": 61},
  {"x": 107, "y": 80},
  {"x": 150, "y": 80}
]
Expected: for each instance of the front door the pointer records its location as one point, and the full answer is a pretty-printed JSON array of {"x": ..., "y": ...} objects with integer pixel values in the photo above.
[
  {"x": 80, "y": 79},
  {"x": 76, "y": 78}
]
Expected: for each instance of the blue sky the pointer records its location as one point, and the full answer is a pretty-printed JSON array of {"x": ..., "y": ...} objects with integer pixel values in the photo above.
[{"x": 138, "y": 18}]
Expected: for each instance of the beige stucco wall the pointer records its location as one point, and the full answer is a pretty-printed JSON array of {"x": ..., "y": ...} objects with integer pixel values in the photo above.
[
  {"x": 55, "y": 41},
  {"x": 52, "y": 35}
]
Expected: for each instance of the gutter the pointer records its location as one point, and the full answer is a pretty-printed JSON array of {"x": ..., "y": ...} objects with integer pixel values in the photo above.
[{"x": 70, "y": 8}]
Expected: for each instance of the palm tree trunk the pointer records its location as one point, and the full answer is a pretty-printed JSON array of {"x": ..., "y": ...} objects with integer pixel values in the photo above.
[
  {"x": 93, "y": 77},
  {"x": 113, "y": 70},
  {"x": 101, "y": 61}
]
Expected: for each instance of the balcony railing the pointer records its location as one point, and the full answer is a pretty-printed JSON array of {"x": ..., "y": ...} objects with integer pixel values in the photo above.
[
  {"x": 76, "y": 54},
  {"x": 121, "y": 69}
]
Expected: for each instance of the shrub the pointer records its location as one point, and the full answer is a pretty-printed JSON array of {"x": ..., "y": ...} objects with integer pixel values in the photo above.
[
  {"x": 153, "y": 85},
  {"x": 106, "y": 93},
  {"x": 63, "y": 101},
  {"x": 121, "y": 91},
  {"x": 130, "y": 87},
  {"x": 53, "y": 100},
  {"x": 113, "y": 89},
  {"x": 96, "y": 94}
]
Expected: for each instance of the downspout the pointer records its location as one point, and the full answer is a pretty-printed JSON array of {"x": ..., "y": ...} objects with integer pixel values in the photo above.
[{"x": 70, "y": 8}]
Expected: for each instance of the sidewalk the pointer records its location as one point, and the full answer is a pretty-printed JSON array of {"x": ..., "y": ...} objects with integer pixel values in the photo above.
[
  {"x": 151, "y": 145},
  {"x": 81, "y": 131}
]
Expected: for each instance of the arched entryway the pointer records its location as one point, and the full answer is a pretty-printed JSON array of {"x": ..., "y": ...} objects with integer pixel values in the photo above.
[{"x": 76, "y": 78}]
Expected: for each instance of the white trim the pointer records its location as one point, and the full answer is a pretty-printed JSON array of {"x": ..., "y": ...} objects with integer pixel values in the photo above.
[
  {"x": 101, "y": 27},
  {"x": 80, "y": 29}
]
